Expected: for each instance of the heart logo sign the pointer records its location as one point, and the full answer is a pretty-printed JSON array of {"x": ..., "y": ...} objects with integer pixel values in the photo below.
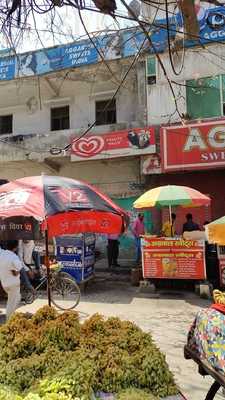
[{"x": 88, "y": 147}]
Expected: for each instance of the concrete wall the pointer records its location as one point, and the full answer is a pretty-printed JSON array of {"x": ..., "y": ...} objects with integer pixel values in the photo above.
[
  {"x": 198, "y": 63},
  {"x": 118, "y": 178},
  {"x": 30, "y": 100}
]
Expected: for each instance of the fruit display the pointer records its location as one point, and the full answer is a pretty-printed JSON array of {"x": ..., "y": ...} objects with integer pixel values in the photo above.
[{"x": 52, "y": 356}]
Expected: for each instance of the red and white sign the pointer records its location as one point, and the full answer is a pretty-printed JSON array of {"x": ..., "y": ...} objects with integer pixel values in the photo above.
[
  {"x": 114, "y": 144},
  {"x": 164, "y": 258},
  {"x": 151, "y": 164},
  {"x": 194, "y": 146}
]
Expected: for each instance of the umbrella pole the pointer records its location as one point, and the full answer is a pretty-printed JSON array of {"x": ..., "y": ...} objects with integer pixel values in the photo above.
[
  {"x": 171, "y": 222},
  {"x": 170, "y": 211},
  {"x": 48, "y": 267}
]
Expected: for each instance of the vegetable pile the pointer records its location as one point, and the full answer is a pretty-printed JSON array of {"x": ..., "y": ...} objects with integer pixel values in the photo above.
[{"x": 53, "y": 356}]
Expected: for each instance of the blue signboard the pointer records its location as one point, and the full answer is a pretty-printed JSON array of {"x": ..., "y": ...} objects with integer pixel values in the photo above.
[
  {"x": 110, "y": 46},
  {"x": 53, "y": 59},
  {"x": 7, "y": 68},
  {"x": 158, "y": 34},
  {"x": 124, "y": 43},
  {"x": 212, "y": 25},
  {"x": 76, "y": 255}
]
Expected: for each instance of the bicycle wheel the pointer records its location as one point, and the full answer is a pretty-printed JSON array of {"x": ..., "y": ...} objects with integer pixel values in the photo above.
[
  {"x": 65, "y": 293},
  {"x": 27, "y": 295}
]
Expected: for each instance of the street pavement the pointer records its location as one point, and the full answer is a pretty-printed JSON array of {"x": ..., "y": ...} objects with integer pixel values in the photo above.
[{"x": 167, "y": 316}]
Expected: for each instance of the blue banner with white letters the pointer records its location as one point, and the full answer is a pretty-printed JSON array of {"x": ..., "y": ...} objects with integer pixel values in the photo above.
[
  {"x": 7, "y": 68},
  {"x": 120, "y": 44},
  {"x": 76, "y": 254},
  {"x": 211, "y": 23}
]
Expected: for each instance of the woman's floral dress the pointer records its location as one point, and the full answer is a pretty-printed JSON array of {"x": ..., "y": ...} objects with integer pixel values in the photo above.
[{"x": 207, "y": 337}]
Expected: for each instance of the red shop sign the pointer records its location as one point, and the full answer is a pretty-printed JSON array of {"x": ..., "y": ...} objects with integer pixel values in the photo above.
[
  {"x": 173, "y": 258},
  {"x": 114, "y": 144},
  {"x": 194, "y": 146}
]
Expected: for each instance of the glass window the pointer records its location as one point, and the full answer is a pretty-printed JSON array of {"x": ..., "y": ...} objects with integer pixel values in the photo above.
[
  {"x": 6, "y": 124},
  {"x": 60, "y": 118},
  {"x": 204, "y": 97},
  {"x": 105, "y": 113},
  {"x": 151, "y": 70}
]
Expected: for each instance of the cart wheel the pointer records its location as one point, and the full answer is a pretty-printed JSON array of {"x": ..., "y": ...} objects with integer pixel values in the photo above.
[
  {"x": 213, "y": 390},
  {"x": 65, "y": 292}
]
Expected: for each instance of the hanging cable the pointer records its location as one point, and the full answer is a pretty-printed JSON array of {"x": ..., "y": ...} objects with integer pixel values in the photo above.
[
  {"x": 176, "y": 72},
  {"x": 57, "y": 150}
]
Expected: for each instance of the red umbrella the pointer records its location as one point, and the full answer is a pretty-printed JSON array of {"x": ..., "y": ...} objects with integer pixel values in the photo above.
[{"x": 59, "y": 206}]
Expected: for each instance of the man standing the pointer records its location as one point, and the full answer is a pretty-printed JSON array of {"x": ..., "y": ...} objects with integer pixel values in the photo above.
[
  {"x": 138, "y": 231},
  {"x": 168, "y": 229},
  {"x": 190, "y": 225},
  {"x": 113, "y": 250},
  {"x": 25, "y": 252},
  {"x": 10, "y": 267}
]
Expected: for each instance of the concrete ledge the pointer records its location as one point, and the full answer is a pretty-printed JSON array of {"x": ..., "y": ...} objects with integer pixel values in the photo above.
[
  {"x": 205, "y": 290},
  {"x": 146, "y": 287}
]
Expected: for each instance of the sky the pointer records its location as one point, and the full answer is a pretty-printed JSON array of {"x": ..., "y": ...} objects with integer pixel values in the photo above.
[{"x": 67, "y": 28}]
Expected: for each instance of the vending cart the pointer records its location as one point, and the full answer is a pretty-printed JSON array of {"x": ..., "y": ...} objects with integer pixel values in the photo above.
[
  {"x": 171, "y": 258},
  {"x": 76, "y": 254}
]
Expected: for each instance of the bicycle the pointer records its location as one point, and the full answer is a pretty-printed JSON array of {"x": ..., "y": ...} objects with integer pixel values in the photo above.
[
  {"x": 63, "y": 289},
  {"x": 204, "y": 368}
]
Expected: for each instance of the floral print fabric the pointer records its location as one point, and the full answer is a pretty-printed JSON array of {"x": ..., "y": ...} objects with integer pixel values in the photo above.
[{"x": 207, "y": 337}]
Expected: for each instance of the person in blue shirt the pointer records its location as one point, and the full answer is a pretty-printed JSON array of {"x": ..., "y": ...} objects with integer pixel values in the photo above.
[{"x": 190, "y": 225}]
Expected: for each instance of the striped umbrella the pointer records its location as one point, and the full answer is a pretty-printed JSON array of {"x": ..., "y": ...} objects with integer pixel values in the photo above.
[
  {"x": 215, "y": 231},
  {"x": 170, "y": 196}
]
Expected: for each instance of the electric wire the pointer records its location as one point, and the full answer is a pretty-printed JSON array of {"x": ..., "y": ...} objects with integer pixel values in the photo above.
[
  {"x": 176, "y": 72},
  {"x": 56, "y": 151}
]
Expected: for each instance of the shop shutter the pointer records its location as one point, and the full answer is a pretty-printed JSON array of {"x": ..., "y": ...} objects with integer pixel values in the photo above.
[{"x": 204, "y": 97}]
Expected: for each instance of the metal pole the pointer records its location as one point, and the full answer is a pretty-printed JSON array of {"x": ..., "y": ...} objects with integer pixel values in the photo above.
[
  {"x": 171, "y": 222},
  {"x": 48, "y": 267},
  {"x": 170, "y": 211}
]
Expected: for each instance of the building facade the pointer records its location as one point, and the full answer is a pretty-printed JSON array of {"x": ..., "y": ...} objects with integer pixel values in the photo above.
[
  {"x": 41, "y": 113},
  {"x": 141, "y": 138},
  {"x": 192, "y": 147}
]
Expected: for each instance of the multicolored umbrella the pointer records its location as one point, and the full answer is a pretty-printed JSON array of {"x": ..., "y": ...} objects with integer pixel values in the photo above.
[
  {"x": 215, "y": 231},
  {"x": 170, "y": 196},
  {"x": 60, "y": 205}
]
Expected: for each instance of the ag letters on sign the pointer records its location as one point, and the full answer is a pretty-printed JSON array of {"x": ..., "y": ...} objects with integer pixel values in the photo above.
[{"x": 198, "y": 145}]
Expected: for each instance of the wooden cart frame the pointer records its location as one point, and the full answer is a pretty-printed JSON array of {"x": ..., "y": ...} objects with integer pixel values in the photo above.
[{"x": 204, "y": 369}]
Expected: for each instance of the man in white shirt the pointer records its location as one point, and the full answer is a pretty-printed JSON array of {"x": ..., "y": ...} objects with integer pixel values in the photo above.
[
  {"x": 10, "y": 267},
  {"x": 25, "y": 252}
]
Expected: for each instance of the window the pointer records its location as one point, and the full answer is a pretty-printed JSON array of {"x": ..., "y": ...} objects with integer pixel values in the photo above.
[
  {"x": 105, "y": 113},
  {"x": 151, "y": 70},
  {"x": 6, "y": 124},
  {"x": 206, "y": 97},
  {"x": 60, "y": 118}
]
